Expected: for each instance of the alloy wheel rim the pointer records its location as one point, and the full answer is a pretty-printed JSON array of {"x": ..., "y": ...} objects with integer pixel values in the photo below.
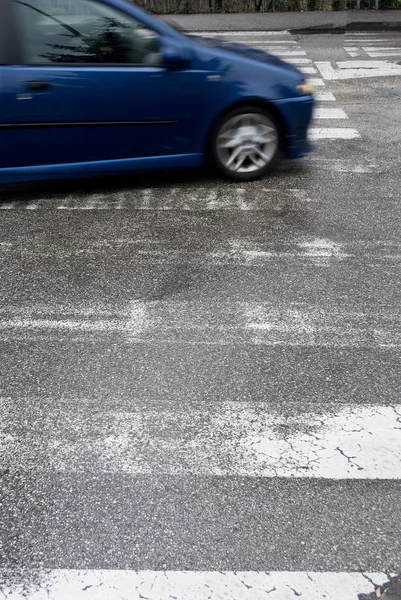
[{"x": 247, "y": 143}]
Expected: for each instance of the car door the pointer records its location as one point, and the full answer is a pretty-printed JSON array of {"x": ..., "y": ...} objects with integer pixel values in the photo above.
[
  {"x": 8, "y": 56},
  {"x": 91, "y": 86}
]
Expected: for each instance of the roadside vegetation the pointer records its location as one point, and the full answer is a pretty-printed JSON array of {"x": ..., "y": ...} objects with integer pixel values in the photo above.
[{"x": 233, "y": 6}]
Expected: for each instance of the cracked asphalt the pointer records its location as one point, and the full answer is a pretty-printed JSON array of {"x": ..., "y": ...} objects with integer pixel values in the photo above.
[{"x": 151, "y": 326}]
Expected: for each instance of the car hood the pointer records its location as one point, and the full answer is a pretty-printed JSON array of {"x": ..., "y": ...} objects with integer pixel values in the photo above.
[{"x": 252, "y": 53}]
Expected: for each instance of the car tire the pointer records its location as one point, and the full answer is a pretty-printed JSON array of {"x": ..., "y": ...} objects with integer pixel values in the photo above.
[{"x": 246, "y": 143}]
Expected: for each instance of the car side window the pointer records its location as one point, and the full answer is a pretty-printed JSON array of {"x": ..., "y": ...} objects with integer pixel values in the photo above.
[{"x": 83, "y": 32}]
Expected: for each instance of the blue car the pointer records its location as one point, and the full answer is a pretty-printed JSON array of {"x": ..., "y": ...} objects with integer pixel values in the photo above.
[{"x": 92, "y": 87}]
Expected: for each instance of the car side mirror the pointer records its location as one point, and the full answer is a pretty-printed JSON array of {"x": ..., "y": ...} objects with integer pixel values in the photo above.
[{"x": 175, "y": 57}]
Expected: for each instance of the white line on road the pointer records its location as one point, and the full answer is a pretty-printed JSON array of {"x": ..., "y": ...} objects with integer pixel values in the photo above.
[
  {"x": 383, "y": 54},
  {"x": 329, "y": 113},
  {"x": 308, "y": 70},
  {"x": 224, "y": 323},
  {"x": 316, "y": 82},
  {"x": 380, "y": 48},
  {"x": 299, "y": 61},
  {"x": 324, "y": 96},
  {"x": 354, "y": 69},
  {"x": 353, "y": 53},
  {"x": 243, "y": 439},
  {"x": 240, "y": 33},
  {"x": 272, "y": 43},
  {"x": 362, "y": 34},
  {"x": 290, "y": 52},
  {"x": 63, "y": 584},
  {"x": 333, "y": 133},
  {"x": 372, "y": 41},
  {"x": 203, "y": 199}
]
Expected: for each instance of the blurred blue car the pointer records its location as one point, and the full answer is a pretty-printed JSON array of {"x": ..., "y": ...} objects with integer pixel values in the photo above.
[{"x": 92, "y": 87}]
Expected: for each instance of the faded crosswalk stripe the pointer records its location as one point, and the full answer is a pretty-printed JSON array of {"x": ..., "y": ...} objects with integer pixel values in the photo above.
[
  {"x": 194, "y": 585},
  {"x": 174, "y": 322},
  {"x": 231, "y": 438}
]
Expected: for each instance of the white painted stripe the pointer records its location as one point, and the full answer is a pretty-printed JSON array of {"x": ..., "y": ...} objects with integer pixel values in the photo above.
[
  {"x": 353, "y": 54},
  {"x": 351, "y": 48},
  {"x": 324, "y": 96},
  {"x": 183, "y": 199},
  {"x": 63, "y": 584},
  {"x": 291, "y": 53},
  {"x": 372, "y": 41},
  {"x": 362, "y": 33},
  {"x": 316, "y": 82},
  {"x": 329, "y": 113},
  {"x": 273, "y": 43},
  {"x": 289, "y": 324},
  {"x": 383, "y": 54},
  {"x": 355, "y": 69},
  {"x": 347, "y": 166},
  {"x": 240, "y": 33},
  {"x": 380, "y": 48},
  {"x": 299, "y": 61},
  {"x": 333, "y": 133},
  {"x": 243, "y": 439},
  {"x": 308, "y": 70},
  {"x": 276, "y": 49},
  {"x": 361, "y": 41}
]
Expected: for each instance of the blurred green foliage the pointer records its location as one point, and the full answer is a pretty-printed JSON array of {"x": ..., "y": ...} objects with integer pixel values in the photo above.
[{"x": 232, "y": 6}]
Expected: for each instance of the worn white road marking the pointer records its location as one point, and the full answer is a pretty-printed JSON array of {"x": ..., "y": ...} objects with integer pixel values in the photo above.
[
  {"x": 290, "y": 53},
  {"x": 333, "y": 133},
  {"x": 88, "y": 320},
  {"x": 383, "y": 53},
  {"x": 224, "y": 323},
  {"x": 138, "y": 318},
  {"x": 357, "y": 69},
  {"x": 376, "y": 41},
  {"x": 298, "y": 61},
  {"x": 308, "y": 70},
  {"x": 353, "y": 53},
  {"x": 9, "y": 205},
  {"x": 273, "y": 43},
  {"x": 230, "y": 438},
  {"x": 346, "y": 166},
  {"x": 317, "y": 82},
  {"x": 63, "y": 584},
  {"x": 324, "y": 96},
  {"x": 362, "y": 33},
  {"x": 329, "y": 113},
  {"x": 380, "y": 48},
  {"x": 239, "y": 251},
  {"x": 324, "y": 248},
  {"x": 203, "y": 199},
  {"x": 241, "y": 33}
]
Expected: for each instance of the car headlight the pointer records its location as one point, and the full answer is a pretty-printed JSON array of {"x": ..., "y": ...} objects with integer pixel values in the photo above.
[{"x": 305, "y": 89}]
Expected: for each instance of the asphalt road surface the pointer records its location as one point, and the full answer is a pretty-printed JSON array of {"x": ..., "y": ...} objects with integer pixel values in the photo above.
[{"x": 200, "y": 380}]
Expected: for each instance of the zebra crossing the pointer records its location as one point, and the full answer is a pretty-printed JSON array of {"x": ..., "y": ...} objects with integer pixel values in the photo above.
[
  {"x": 199, "y": 396},
  {"x": 77, "y": 438},
  {"x": 284, "y": 45},
  {"x": 385, "y": 46}
]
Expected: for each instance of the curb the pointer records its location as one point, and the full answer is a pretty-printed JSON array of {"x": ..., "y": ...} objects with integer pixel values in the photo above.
[
  {"x": 361, "y": 26},
  {"x": 316, "y": 22}
]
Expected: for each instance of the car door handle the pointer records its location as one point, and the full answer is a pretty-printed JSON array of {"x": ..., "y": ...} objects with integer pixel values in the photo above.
[{"x": 37, "y": 86}]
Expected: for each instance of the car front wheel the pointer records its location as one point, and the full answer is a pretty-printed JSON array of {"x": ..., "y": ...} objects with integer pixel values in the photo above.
[{"x": 246, "y": 144}]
